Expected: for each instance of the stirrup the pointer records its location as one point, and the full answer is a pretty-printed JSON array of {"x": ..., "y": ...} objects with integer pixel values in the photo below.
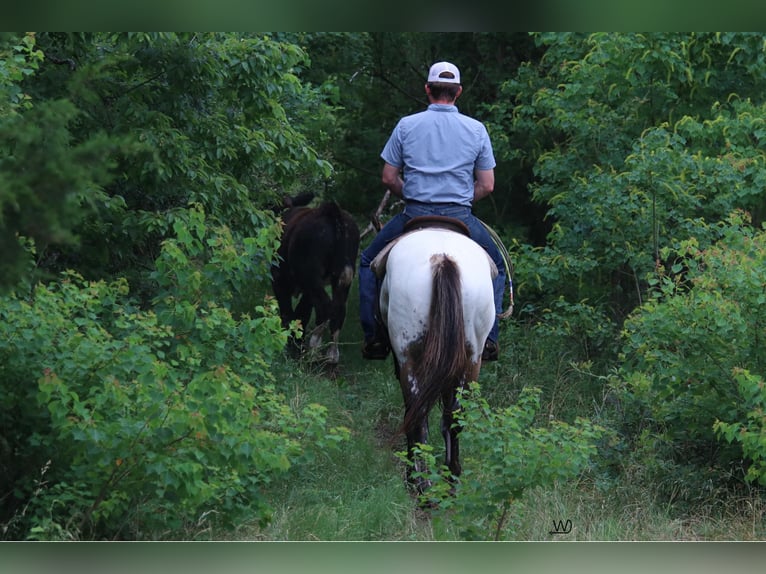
[
  {"x": 490, "y": 352},
  {"x": 375, "y": 349}
]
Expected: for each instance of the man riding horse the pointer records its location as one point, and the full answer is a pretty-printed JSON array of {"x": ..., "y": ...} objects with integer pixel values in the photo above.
[{"x": 447, "y": 162}]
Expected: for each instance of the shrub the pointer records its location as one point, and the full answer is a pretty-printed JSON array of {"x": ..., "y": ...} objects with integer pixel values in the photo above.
[
  {"x": 686, "y": 348},
  {"x": 127, "y": 423},
  {"x": 505, "y": 454},
  {"x": 751, "y": 434}
]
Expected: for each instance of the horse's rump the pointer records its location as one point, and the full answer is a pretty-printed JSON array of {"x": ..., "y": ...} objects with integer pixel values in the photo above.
[{"x": 437, "y": 303}]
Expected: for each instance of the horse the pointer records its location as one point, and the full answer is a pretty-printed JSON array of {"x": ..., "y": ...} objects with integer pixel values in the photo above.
[
  {"x": 436, "y": 302},
  {"x": 319, "y": 247}
]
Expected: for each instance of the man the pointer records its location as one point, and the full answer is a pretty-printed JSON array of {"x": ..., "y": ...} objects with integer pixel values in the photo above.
[{"x": 447, "y": 163}]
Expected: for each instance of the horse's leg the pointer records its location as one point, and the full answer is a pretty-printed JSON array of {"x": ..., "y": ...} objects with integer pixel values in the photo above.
[
  {"x": 320, "y": 301},
  {"x": 417, "y": 434},
  {"x": 282, "y": 284},
  {"x": 450, "y": 431},
  {"x": 317, "y": 335},
  {"x": 283, "y": 292},
  {"x": 303, "y": 314},
  {"x": 340, "y": 289},
  {"x": 450, "y": 428}
]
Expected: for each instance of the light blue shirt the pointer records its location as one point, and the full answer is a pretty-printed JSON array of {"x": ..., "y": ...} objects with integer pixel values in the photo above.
[{"x": 439, "y": 149}]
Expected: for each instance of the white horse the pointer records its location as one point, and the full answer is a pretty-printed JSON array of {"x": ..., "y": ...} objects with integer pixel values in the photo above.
[{"x": 437, "y": 303}]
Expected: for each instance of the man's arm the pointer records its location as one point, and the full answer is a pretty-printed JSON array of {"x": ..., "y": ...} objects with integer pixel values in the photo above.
[
  {"x": 484, "y": 183},
  {"x": 392, "y": 180}
]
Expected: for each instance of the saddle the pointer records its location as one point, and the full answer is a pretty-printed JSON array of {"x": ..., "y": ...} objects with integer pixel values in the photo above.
[
  {"x": 437, "y": 221},
  {"x": 378, "y": 265}
]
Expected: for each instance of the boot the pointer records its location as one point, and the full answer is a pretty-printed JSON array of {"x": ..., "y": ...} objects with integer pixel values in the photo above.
[
  {"x": 490, "y": 352},
  {"x": 378, "y": 347}
]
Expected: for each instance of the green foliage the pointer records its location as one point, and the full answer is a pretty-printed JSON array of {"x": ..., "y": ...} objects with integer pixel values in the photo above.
[
  {"x": 505, "y": 455},
  {"x": 147, "y": 163},
  {"x": 47, "y": 181},
  {"x": 147, "y": 424},
  {"x": 751, "y": 433},
  {"x": 638, "y": 146},
  {"x": 137, "y": 125},
  {"x": 19, "y": 58},
  {"x": 635, "y": 142},
  {"x": 683, "y": 348},
  {"x": 205, "y": 263},
  {"x": 47, "y": 177}
]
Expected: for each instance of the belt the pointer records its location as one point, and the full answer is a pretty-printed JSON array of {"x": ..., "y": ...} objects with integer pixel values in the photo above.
[{"x": 435, "y": 204}]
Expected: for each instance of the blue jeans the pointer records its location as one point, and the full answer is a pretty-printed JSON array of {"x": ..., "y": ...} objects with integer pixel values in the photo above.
[{"x": 368, "y": 283}]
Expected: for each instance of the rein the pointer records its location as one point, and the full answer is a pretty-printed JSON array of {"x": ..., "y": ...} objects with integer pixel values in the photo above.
[{"x": 508, "y": 267}]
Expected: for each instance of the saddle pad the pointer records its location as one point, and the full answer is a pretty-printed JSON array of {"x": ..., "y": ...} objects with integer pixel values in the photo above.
[
  {"x": 438, "y": 221},
  {"x": 378, "y": 265}
]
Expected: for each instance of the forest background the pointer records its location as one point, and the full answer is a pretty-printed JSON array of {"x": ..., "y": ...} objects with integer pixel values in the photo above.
[{"x": 144, "y": 393}]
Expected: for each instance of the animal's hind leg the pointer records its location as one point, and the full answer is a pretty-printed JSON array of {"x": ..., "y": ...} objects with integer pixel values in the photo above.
[
  {"x": 315, "y": 341},
  {"x": 418, "y": 468},
  {"x": 450, "y": 427},
  {"x": 303, "y": 314},
  {"x": 337, "y": 316},
  {"x": 333, "y": 353},
  {"x": 320, "y": 301},
  {"x": 283, "y": 293},
  {"x": 450, "y": 431},
  {"x": 303, "y": 311},
  {"x": 417, "y": 434}
]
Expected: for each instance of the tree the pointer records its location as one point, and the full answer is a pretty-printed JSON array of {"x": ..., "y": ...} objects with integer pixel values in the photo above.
[
  {"x": 44, "y": 175},
  {"x": 612, "y": 127},
  {"x": 149, "y": 123}
]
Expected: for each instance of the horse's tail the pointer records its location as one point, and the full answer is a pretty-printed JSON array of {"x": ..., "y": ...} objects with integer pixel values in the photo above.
[
  {"x": 445, "y": 359},
  {"x": 346, "y": 241}
]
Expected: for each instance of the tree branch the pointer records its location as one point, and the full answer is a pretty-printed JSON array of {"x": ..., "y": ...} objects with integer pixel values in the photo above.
[{"x": 375, "y": 224}]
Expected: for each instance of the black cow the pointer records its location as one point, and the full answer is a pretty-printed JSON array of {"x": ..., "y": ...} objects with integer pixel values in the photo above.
[{"x": 319, "y": 247}]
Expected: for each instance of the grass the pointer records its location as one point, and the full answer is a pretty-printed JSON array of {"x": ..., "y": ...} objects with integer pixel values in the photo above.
[
  {"x": 358, "y": 493},
  {"x": 598, "y": 514}
]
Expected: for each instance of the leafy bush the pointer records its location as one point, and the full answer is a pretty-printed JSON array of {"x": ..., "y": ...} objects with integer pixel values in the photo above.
[
  {"x": 686, "y": 348},
  {"x": 126, "y": 423},
  {"x": 104, "y": 135},
  {"x": 505, "y": 454},
  {"x": 630, "y": 142},
  {"x": 752, "y": 433}
]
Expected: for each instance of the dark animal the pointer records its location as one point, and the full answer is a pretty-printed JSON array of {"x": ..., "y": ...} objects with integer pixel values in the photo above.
[
  {"x": 437, "y": 303},
  {"x": 319, "y": 248}
]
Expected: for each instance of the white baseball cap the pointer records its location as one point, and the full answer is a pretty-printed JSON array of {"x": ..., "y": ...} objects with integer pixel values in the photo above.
[{"x": 444, "y": 72}]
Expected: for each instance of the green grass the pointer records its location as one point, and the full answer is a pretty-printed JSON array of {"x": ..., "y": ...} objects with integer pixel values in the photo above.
[
  {"x": 358, "y": 493},
  {"x": 599, "y": 514}
]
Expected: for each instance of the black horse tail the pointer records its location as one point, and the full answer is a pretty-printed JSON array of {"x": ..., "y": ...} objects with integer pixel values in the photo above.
[
  {"x": 346, "y": 241},
  {"x": 445, "y": 358}
]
